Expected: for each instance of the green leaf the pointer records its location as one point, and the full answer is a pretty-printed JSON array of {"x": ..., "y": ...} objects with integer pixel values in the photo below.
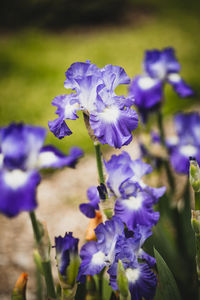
[{"x": 167, "y": 288}]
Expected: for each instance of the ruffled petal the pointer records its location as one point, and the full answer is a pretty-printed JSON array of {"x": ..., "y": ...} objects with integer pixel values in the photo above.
[
  {"x": 93, "y": 260},
  {"x": 142, "y": 282},
  {"x": 107, "y": 235},
  {"x": 18, "y": 191},
  {"x": 50, "y": 157},
  {"x": 137, "y": 210},
  {"x": 77, "y": 71},
  {"x": 67, "y": 106},
  {"x": 119, "y": 170},
  {"x": 114, "y": 76},
  {"x": 114, "y": 126}
]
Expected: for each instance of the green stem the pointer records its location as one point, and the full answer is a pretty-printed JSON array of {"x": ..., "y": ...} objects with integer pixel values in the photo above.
[
  {"x": 197, "y": 200},
  {"x": 161, "y": 127},
  {"x": 99, "y": 163},
  {"x": 36, "y": 228},
  {"x": 46, "y": 265}
]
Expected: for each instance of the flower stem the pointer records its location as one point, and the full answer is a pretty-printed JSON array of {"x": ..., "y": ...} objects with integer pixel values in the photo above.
[
  {"x": 99, "y": 163},
  {"x": 46, "y": 266},
  {"x": 45, "y": 263},
  {"x": 36, "y": 228},
  {"x": 161, "y": 127}
]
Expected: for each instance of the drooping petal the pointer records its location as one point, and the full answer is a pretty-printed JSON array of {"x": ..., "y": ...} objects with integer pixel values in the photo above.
[
  {"x": 147, "y": 92},
  {"x": 113, "y": 125},
  {"x": 137, "y": 210},
  {"x": 50, "y": 157},
  {"x": 20, "y": 145},
  {"x": 142, "y": 282},
  {"x": 187, "y": 127},
  {"x": 18, "y": 191},
  {"x": 92, "y": 260},
  {"x": 179, "y": 157},
  {"x": 59, "y": 128},
  {"x": 180, "y": 86},
  {"x": 67, "y": 106}
]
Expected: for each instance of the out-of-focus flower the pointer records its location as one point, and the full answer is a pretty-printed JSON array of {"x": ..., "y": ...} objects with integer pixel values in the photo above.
[
  {"x": 113, "y": 245},
  {"x": 21, "y": 156},
  {"x": 187, "y": 142},
  {"x": 111, "y": 117},
  {"x": 67, "y": 257},
  {"x": 147, "y": 89},
  {"x": 134, "y": 199},
  {"x": 19, "y": 291}
]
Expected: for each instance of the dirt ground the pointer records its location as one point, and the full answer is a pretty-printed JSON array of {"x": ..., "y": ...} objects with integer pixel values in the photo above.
[{"x": 59, "y": 196}]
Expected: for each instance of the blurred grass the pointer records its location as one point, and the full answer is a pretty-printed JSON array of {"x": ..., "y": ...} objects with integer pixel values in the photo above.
[{"x": 33, "y": 63}]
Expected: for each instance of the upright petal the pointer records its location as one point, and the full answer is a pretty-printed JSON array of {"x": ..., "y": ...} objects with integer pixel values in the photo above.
[
  {"x": 158, "y": 64},
  {"x": 114, "y": 76},
  {"x": 77, "y": 71},
  {"x": 20, "y": 145}
]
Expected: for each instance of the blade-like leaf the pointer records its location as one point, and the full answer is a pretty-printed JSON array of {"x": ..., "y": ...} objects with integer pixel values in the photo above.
[{"x": 167, "y": 287}]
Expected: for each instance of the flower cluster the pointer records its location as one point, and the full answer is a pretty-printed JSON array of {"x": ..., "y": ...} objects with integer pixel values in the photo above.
[
  {"x": 22, "y": 154},
  {"x": 134, "y": 202},
  {"x": 111, "y": 117},
  {"x": 114, "y": 244},
  {"x": 134, "y": 199},
  {"x": 187, "y": 142},
  {"x": 159, "y": 67}
]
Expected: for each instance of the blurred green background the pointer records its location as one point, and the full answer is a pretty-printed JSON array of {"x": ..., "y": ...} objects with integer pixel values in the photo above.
[{"x": 39, "y": 40}]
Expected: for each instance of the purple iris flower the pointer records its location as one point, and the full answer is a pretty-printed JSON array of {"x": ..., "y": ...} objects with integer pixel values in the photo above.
[
  {"x": 88, "y": 209},
  {"x": 22, "y": 155},
  {"x": 66, "y": 250},
  {"x": 111, "y": 117},
  {"x": 112, "y": 244},
  {"x": 134, "y": 199},
  {"x": 159, "y": 67},
  {"x": 186, "y": 143}
]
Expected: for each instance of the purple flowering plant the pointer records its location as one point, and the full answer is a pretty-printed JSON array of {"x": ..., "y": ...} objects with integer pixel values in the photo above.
[
  {"x": 132, "y": 218},
  {"x": 159, "y": 67},
  {"x": 110, "y": 117}
]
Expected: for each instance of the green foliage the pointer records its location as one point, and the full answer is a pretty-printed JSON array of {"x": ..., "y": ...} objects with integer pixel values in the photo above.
[{"x": 167, "y": 288}]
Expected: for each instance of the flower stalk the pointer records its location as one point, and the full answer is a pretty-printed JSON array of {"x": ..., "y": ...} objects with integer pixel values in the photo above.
[
  {"x": 99, "y": 162},
  {"x": 43, "y": 246}
]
